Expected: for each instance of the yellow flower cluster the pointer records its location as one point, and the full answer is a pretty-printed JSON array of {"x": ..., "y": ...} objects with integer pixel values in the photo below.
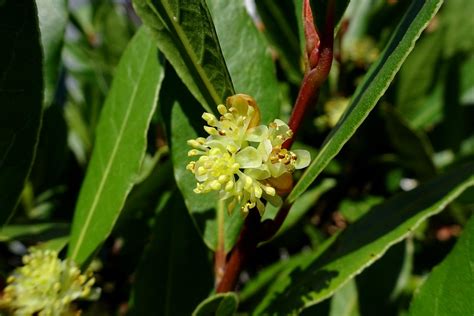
[
  {"x": 45, "y": 286},
  {"x": 240, "y": 158}
]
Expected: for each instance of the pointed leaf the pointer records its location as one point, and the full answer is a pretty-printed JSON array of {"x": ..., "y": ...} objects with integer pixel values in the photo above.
[
  {"x": 21, "y": 96},
  {"x": 362, "y": 243},
  {"x": 119, "y": 147},
  {"x": 375, "y": 83},
  {"x": 53, "y": 17},
  {"x": 185, "y": 34}
]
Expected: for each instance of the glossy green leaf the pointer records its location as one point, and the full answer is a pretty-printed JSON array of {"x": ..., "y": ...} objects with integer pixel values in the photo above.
[
  {"x": 185, "y": 34},
  {"x": 375, "y": 83},
  {"x": 174, "y": 274},
  {"x": 184, "y": 119},
  {"x": 119, "y": 147},
  {"x": 248, "y": 58},
  {"x": 21, "y": 94},
  {"x": 53, "y": 17},
  {"x": 223, "y": 304},
  {"x": 449, "y": 288},
  {"x": 362, "y": 243}
]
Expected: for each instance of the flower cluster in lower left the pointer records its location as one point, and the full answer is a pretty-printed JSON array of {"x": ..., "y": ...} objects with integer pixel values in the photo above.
[{"x": 46, "y": 285}]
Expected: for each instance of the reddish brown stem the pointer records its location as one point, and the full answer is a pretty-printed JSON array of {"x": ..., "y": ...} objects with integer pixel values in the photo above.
[
  {"x": 316, "y": 73},
  {"x": 220, "y": 257},
  {"x": 245, "y": 247}
]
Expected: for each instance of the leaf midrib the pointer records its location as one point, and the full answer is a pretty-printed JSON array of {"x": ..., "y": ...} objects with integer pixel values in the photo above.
[
  {"x": 110, "y": 162},
  {"x": 188, "y": 49}
]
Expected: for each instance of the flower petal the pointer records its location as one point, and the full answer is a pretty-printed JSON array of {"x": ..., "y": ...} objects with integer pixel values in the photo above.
[
  {"x": 303, "y": 158},
  {"x": 248, "y": 157},
  {"x": 277, "y": 169},
  {"x": 257, "y": 133},
  {"x": 260, "y": 173}
]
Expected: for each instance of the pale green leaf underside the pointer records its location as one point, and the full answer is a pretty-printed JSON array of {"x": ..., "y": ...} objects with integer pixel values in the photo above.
[
  {"x": 375, "y": 83},
  {"x": 362, "y": 243},
  {"x": 119, "y": 147}
]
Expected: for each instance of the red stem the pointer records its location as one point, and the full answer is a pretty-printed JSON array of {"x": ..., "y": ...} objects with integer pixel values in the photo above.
[
  {"x": 317, "y": 73},
  {"x": 245, "y": 247}
]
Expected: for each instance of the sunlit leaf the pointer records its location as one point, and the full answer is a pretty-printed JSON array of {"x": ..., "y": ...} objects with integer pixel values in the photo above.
[{"x": 119, "y": 147}]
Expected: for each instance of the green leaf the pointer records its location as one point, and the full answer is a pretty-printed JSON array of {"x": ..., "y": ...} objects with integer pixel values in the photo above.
[
  {"x": 362, "y": 243},
  {"x": 36, "y": 232},
  {"x": 185, "y": 34},
  {"x": 375, "y": 83},
  {"x": 449, "y": 288},
  {"x": 413, "y": 147},
  {"x": 51, "y": 155},
  {"x": 415, "y": 90},
  {"x": 56, "y": 244},
  {"x": 223, "y": 304},
  {"x": 119, "y": 147},
  {"x": 345, "y": 301},
  {"x": 174, "y": 274},
  {"x": 352, "y": 210},
  {"x": 21, "y": 96},
  {"x": 248, "y": 58},
  {"x": 184, "y": 119},
  {"x": 53, "y": 17},
  {"x": 457, "y": 21},
  {"x": 282, "y": 32},
  {"x": 394, "y": 268}
]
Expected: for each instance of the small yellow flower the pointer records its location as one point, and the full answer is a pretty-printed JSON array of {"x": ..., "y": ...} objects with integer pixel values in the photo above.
[
  {"x": 239, "y": 158},
  {"x": 45, "y": 286}
]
